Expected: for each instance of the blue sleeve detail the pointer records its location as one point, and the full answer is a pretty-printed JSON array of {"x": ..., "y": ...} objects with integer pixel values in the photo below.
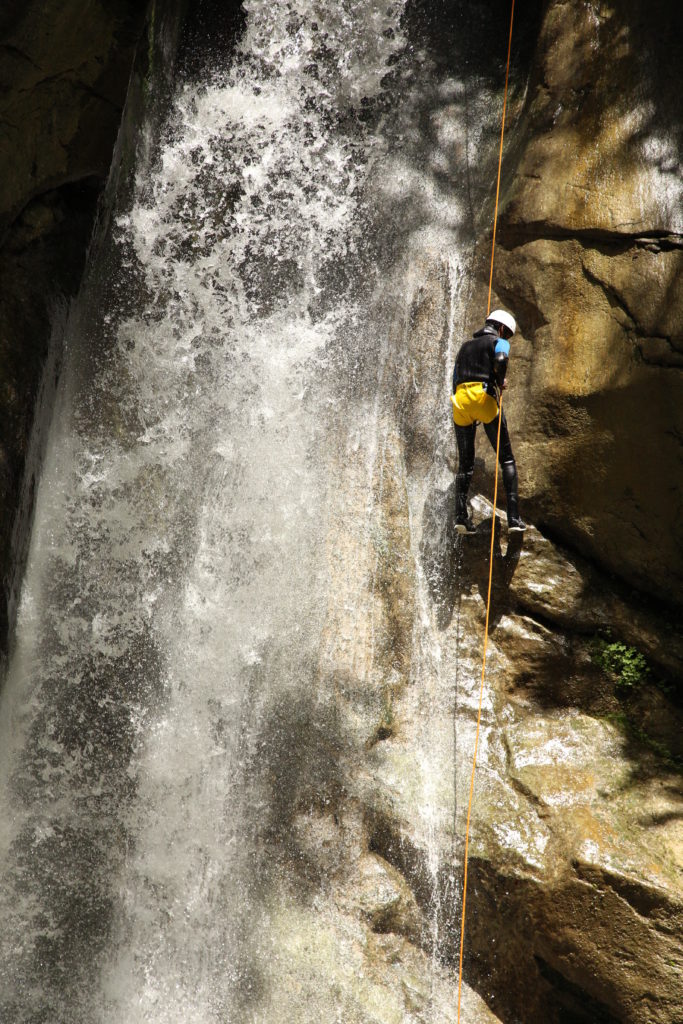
[{"x": 502, "y": 347}]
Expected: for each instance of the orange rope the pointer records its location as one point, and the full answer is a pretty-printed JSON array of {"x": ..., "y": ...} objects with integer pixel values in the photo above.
[
  {"x": 500, "y": 155},
  {"x": 493, "y": 531},
  {"x": 481, "y": 697}
]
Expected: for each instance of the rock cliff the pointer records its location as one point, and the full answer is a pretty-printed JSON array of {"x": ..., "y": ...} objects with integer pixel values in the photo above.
[
  {"x": 576, "y": 895},
  {"x": 64, "y": 72},
  {"x": 575, "y": 903},
  {"x": 590, "y": 255}
]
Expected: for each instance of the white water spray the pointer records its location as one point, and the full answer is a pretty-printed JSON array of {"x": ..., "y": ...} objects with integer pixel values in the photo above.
[{"x": 164, "y": 686}]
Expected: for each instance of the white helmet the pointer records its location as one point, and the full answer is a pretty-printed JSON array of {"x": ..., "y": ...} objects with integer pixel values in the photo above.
[{"x": 499, "y": 316}]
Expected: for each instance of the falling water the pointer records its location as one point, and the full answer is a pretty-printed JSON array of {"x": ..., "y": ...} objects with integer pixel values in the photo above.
[
  {"x": 176, "y": 585},
  {"x": 168, "y": 635}
]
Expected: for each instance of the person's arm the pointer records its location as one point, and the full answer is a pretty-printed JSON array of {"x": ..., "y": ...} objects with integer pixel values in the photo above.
[{"x": 500, "y": 361}]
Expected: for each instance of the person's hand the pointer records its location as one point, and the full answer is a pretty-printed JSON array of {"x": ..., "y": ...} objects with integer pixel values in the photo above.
[{"x": 504, "y": 384}]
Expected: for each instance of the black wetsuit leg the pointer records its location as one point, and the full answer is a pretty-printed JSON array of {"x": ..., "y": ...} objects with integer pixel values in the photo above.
[
  {"x": 465, "y": 438},
  {"x": 507, "y": 463}
]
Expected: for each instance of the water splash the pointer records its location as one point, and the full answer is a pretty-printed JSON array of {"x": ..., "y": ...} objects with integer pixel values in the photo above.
[{"x": 176, "y": 583}]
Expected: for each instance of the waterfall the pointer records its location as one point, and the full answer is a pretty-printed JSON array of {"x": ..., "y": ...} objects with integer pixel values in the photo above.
[{"x": 167, "y": 642}]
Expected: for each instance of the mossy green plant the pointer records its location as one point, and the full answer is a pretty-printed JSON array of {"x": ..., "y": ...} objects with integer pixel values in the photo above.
[
  {"x": 631, "y": 673},
  {"x": 626, "y": 664}
]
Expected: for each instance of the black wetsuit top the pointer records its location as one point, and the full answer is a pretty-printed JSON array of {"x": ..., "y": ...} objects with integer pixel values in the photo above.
[{"x": 484, "y": 358}]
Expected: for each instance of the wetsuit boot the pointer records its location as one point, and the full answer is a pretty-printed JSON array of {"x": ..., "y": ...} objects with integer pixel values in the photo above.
[
  {"x": 515, "y": 524},
  {"x": 463, "y": 521}
]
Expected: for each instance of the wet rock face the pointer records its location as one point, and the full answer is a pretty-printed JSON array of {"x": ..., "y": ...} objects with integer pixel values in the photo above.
[
  {"x": 64, "y": 71},
  {"x": 590, "y": 256},
  {"x": 574, "y": 896},
  {"x": 602, "y": 119},
  {"x": 574, "y": 893},
  {"x": 574, "y": 899}
]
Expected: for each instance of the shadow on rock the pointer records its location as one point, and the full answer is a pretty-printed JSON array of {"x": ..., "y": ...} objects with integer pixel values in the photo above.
[
  {"x": 454, "y": 564},
  {"x": 301, "y": 772}
]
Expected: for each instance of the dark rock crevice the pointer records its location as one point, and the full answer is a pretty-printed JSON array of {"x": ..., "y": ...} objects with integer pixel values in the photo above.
[
  {"x": 511, "y": 236},
  {"x": 14, "y": 51},
  {"x": 524, "y": 791},
  {"x": 573, "y": 1004},
  {"x": 619, "y": 302},
  {"x": 647, "y": 902},
  {"x": 386, "y": 840}
]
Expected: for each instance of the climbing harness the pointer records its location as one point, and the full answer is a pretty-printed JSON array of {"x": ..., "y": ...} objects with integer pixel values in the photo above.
[{"x": 493, "y": 532}]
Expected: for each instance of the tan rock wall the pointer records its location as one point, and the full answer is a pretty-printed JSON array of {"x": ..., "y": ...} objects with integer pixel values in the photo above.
[
  {"x": 602, "y": 126},
  {"x": 574, "y": 895},
  {"x": 590, "y": 257}
]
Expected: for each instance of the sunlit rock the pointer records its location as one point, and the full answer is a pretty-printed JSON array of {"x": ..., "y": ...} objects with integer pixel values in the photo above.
[{"x": 589, "y": 258}]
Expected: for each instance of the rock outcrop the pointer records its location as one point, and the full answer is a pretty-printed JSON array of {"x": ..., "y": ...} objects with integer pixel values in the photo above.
[
  {"x": 590, "y": 256},
  {"x": 575, "y": 896}
]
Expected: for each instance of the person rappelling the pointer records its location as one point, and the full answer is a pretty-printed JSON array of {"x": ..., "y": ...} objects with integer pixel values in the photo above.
[{"x": 479, "y": 376}]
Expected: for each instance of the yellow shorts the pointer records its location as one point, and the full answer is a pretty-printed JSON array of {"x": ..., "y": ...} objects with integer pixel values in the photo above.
[{"x": 471, "y": 404}]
